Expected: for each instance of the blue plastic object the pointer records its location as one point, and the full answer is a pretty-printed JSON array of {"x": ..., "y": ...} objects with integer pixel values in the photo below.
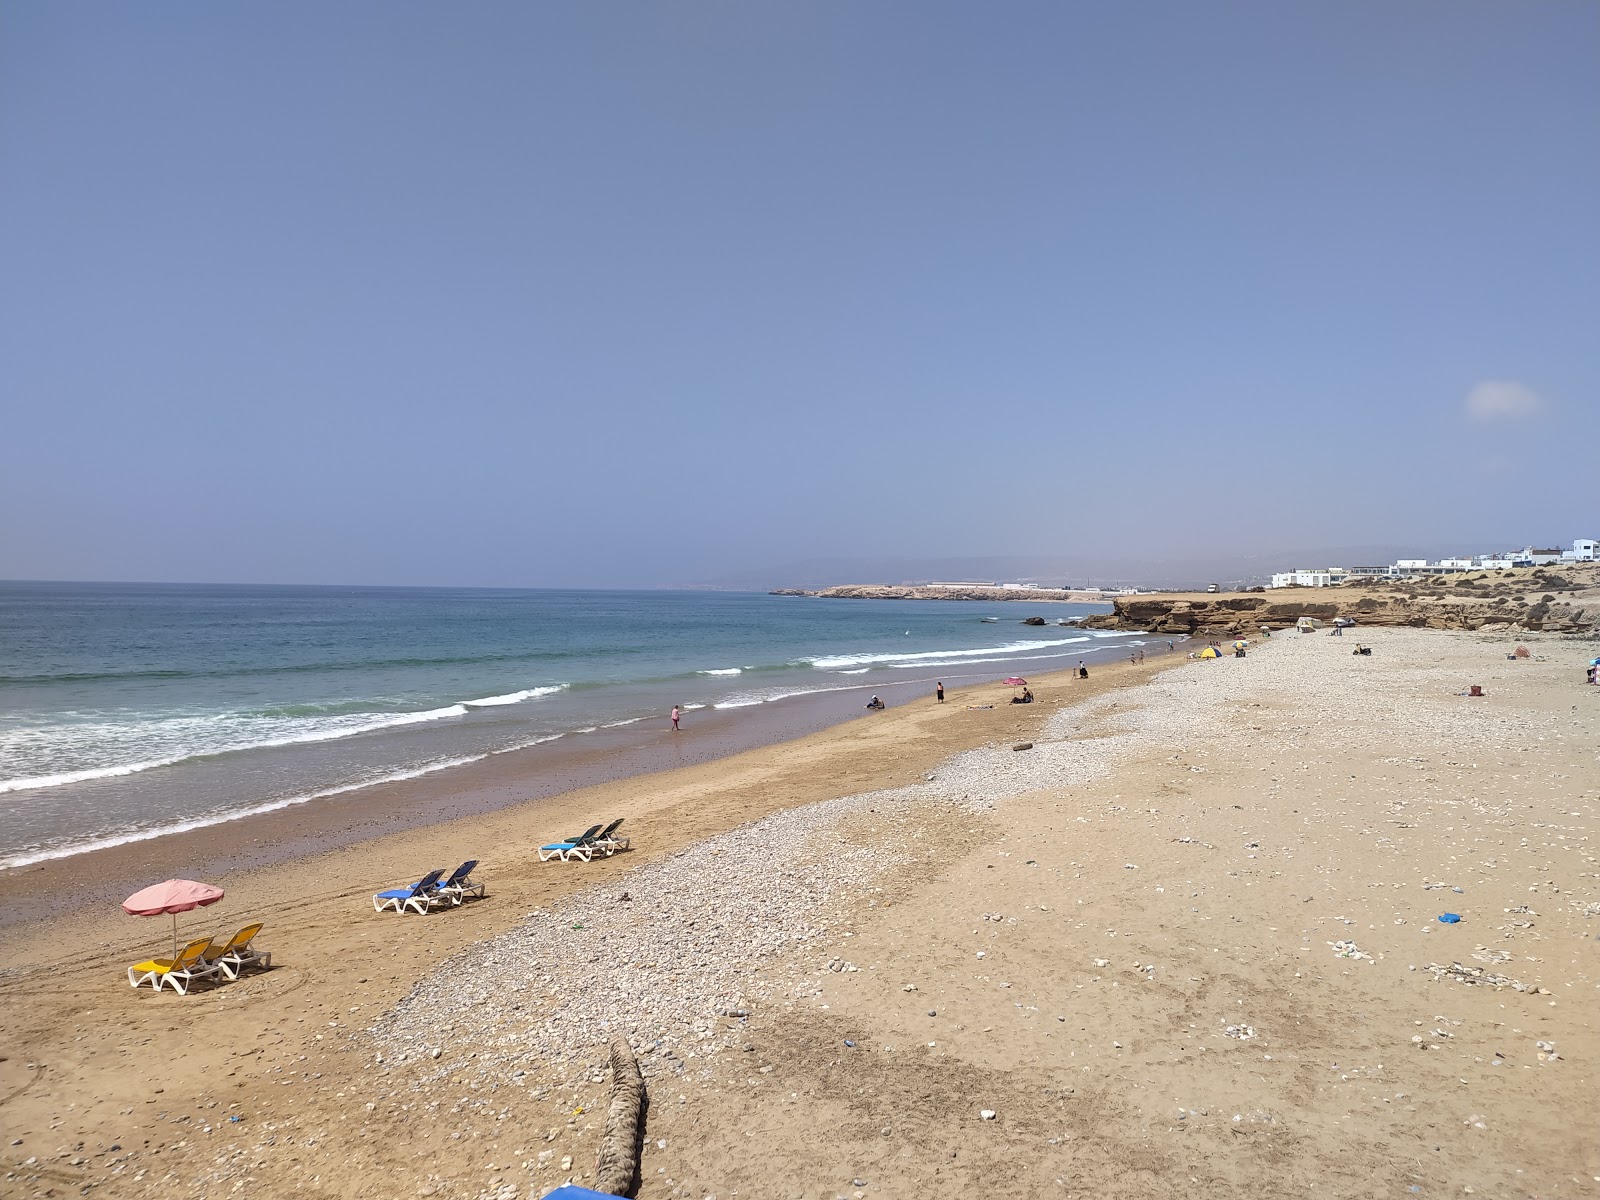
[
  {"x": 573, "y": 1192},
  {"x": 1449, "y": 918}
]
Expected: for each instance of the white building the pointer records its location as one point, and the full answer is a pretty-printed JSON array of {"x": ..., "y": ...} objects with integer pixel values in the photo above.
[
  {"x": 1583, "y": 550},
  {"x": 1310, "y": 577}
]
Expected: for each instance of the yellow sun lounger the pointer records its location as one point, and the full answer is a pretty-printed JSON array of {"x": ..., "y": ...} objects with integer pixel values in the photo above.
[
  {"x": 233, "y": 956},
  {"x": 180, "y": 972}
]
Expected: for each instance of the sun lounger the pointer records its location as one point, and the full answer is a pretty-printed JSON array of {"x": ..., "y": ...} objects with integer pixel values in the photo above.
[
  {"x": 180, "y": 973},
  {"x": 234, "y": 955},
  {"x": 605, "y": 843},
  {"x": 611, "y": 840},
  {"x": 584, "y": 848},
  {"x": 584, "y": 851},
  {"x": 461, "y": 884},
  {"x": 562, "y": 849},
  {"x": 419, "y": 897}
]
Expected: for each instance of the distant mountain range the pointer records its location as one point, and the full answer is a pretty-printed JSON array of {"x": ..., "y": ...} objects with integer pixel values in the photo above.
[{"x": 1089, "y": 570}]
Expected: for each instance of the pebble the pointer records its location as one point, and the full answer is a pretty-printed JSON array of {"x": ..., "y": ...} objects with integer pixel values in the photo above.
[{"x": 743, "y": 920}]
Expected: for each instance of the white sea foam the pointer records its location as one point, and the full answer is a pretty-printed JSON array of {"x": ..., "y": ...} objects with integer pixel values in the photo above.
[
  {"x": 538, "y": 741},
  {"x": 65, "y": 777},
  {"x": 248, "y": 739},
  {"x": 747, "y": 699},
  {"x": 974, "y": 662},
  {"x": 515, "y": 697},
  {"x": 1011, "y": 649},
  {"x": 724, "y": 671},
  {"x": 28, "y": 857}
]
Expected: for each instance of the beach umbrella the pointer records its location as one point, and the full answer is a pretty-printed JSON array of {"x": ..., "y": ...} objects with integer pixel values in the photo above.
[
  {"x": 174, "y": 896},
  {"x": 1016, "y": 681},
  {"x": 1240, "y": 644}
]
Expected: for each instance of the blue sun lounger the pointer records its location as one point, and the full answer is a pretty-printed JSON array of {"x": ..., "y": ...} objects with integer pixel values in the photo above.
[
  {"x": 419, "y": 897},
  {"x": 577, "y": 846},
  {"x": 461, "y": 884},
  {"x": 610, "y": 840}
]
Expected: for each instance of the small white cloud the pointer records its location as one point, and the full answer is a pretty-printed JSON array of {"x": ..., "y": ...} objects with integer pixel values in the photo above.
[{"x": 1502, "y": 400}]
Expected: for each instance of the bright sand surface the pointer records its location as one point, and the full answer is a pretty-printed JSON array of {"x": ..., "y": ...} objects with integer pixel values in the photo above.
[{"x": 1183, "y": 946}]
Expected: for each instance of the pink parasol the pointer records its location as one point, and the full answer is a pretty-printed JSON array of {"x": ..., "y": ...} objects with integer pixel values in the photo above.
[
  {"x": 1016, "y": 681},
  {"x": 174, "y": 896}
]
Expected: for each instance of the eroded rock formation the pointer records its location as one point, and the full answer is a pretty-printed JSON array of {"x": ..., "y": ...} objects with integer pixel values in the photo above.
[{"x": 1564, "y": 601}]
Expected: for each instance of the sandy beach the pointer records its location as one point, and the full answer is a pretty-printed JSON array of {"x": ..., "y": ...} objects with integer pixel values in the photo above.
[{"x": 1186, "y": 944}]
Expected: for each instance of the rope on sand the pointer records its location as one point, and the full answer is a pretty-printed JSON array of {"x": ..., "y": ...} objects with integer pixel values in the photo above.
[{"x": 617, "y": 1167}]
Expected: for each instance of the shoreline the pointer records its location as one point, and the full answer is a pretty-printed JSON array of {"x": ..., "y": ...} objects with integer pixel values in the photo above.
[
  {"x": 923, "y": 923},
  {"x": 523, "y": 779}
]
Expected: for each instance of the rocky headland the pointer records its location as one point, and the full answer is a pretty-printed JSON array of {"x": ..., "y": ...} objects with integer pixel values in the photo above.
[
  {"x": 884, "y": 591},
  {"x": 1562, "y": 598}
]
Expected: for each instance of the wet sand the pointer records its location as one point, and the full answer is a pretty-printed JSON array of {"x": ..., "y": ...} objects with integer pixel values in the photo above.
[{"x": 101, "y": 878}]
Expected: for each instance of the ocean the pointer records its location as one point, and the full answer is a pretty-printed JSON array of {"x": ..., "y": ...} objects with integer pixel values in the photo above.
[{"x": 128, "y": 711}]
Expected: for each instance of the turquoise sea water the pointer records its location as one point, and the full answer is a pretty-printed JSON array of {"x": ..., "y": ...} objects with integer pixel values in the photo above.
[{"x": 128, "y": 710}]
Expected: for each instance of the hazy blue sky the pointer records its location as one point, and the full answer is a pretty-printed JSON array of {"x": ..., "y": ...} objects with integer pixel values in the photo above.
[{"x": 612, "y": 294}]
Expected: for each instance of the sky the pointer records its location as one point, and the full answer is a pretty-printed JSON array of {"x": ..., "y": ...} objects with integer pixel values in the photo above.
[{"x": 629, "y": 295}]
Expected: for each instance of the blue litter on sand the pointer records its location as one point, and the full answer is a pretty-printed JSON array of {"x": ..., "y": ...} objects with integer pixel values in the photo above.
[
  {"x": 849, "y": 1043},
  {"x": 1449, "y": 918}
]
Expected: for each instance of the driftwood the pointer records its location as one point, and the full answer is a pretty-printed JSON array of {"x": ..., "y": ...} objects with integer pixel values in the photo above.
[{"x": 617, "y": 1167}]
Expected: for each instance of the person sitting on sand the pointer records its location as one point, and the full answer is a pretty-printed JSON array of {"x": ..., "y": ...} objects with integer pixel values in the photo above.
[{"x": 874, "y": 703}]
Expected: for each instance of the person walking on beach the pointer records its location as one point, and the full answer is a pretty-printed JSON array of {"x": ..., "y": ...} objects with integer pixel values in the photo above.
[
  {"x": 938, "y": 690},
  {"x": 675, "y": 715},
  {"x": 1083, "y": 671}
]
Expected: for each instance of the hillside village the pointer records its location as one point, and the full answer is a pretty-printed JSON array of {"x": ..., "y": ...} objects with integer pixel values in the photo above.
[{"x": 1582, "y": 550}]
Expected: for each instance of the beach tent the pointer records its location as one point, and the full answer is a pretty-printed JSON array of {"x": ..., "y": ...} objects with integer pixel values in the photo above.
[
  {"x": 1520, "y": 652},
  {"x": 1210, "y": 652}
]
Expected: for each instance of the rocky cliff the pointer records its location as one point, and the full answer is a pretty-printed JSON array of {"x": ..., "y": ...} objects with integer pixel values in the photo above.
[
  {"x": 1562, "y": 599},
  {"x": 880, "y": 591}
]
